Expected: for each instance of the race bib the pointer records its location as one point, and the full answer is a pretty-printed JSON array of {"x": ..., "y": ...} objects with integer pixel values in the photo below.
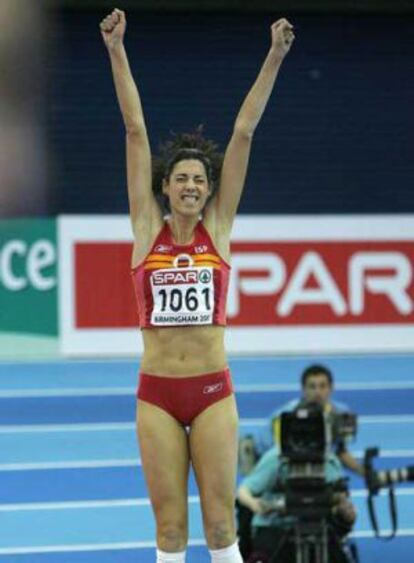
[{"x": 182, "y": 296}]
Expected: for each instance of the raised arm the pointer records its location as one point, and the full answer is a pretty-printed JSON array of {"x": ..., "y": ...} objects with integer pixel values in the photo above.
[
  {"x": 238, "y": 150},
  {"x": 141, "y": 200}
]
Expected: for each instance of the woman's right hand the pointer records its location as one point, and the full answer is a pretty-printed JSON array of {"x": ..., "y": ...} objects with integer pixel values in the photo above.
[
  {"x": 260, "y": 506},
  {"x": 113, "y": 29}
]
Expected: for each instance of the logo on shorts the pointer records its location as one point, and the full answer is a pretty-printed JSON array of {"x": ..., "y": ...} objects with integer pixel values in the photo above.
[{"x": 212, "y": 388}]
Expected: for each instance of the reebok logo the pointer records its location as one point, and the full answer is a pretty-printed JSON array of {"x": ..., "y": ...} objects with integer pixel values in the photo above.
[
  {"x": 212, "y": 388},
  {"x": 163, "y": 248}
]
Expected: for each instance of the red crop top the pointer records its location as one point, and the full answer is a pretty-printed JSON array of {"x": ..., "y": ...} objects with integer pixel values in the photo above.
[{"x": 181, "y": 285}]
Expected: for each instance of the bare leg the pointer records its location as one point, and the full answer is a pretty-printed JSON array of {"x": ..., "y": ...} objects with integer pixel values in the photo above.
[
  {"x": 165, "y": 459},
  {"x": 213, "y": 445}
]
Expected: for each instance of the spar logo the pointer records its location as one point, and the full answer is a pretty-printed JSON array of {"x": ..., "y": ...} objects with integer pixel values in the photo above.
[
  {"x": 174, "y": 277},
  {"x": 321, "y": 283}
]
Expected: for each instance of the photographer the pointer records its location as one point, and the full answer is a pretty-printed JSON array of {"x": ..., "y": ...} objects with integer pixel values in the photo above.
[
  {"x": 271, "y": 524},
  {"x": 317, "y": 387}
]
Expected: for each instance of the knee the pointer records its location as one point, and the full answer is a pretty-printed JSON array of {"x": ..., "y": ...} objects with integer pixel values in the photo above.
[
  {"x": 219, "y": 520},
  {"x": 172, "y": 536},
  {"x": 220, "y": 532}
]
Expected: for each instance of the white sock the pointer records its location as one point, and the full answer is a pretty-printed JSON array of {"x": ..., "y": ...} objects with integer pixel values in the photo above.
[
  {"x": 164, "y": 557},
  {"x": 229, "y": 554}
]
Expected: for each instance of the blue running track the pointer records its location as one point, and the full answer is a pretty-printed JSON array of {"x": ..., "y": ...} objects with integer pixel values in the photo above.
[{"x": 71, "y": 482}]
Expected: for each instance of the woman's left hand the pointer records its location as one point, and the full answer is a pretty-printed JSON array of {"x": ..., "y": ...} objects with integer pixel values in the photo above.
[{"x": 282, "y": 37}]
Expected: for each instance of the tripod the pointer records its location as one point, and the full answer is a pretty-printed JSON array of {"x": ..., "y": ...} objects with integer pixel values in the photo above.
[
  {"x": 311, "y": 538},
  {"x": 310, "y": 541}
]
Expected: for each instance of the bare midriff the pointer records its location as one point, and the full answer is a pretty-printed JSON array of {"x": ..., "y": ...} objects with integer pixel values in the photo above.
[{"x": 183, "y": 351}]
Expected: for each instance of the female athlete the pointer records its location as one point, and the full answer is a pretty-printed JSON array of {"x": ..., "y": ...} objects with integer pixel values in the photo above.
[{"x": 180, "y": 267}]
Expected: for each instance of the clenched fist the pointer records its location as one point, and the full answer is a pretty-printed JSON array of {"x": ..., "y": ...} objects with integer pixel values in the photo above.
[
  {"x": 113, "y": 28},
  {"x": 282, "y": 37}
]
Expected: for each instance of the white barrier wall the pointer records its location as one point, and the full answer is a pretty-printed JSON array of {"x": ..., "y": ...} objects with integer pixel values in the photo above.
[{"x": 298, "y": 285}]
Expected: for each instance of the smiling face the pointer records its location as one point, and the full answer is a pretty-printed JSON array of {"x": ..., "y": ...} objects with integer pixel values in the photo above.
[{"x": 187, "y": 187}]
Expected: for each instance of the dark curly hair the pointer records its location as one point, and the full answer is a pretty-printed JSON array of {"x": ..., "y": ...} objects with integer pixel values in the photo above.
[{"x": 185, "y": 146}]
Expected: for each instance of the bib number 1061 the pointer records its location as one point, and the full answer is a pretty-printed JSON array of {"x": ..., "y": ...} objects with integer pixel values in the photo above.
[{"x": 178, "y": 299}]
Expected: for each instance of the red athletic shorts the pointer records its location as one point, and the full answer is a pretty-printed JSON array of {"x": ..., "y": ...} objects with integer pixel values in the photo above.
[{"x": 184, "y": 398}]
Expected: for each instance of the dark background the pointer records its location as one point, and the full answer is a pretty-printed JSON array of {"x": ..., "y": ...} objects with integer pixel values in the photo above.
[{"x": 338, "y": 132}]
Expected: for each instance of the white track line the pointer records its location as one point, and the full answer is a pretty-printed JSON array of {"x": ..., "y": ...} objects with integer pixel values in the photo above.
[
  {"x": 364, "y": 419},
  {"x": 387, "y": 419},
  {"x": 386, "y": 453},
  {"x": 76, "y": 464},
  {"x": 363, "y": 493},
  {"x": 405, "y": 532},
  {"x": 65, "y": 392},
  {"x": 351, "y": 386},
  {"x": 130, "y": 426},
  {"x": 240, "y": 388},
  {"x": 136, "y": 462},
  {"x": 83, "y": 427},
  {"x": 88, "y": 547},
  {"x": 122, "y": 503},
  {"x": 83, "y": 504}
]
